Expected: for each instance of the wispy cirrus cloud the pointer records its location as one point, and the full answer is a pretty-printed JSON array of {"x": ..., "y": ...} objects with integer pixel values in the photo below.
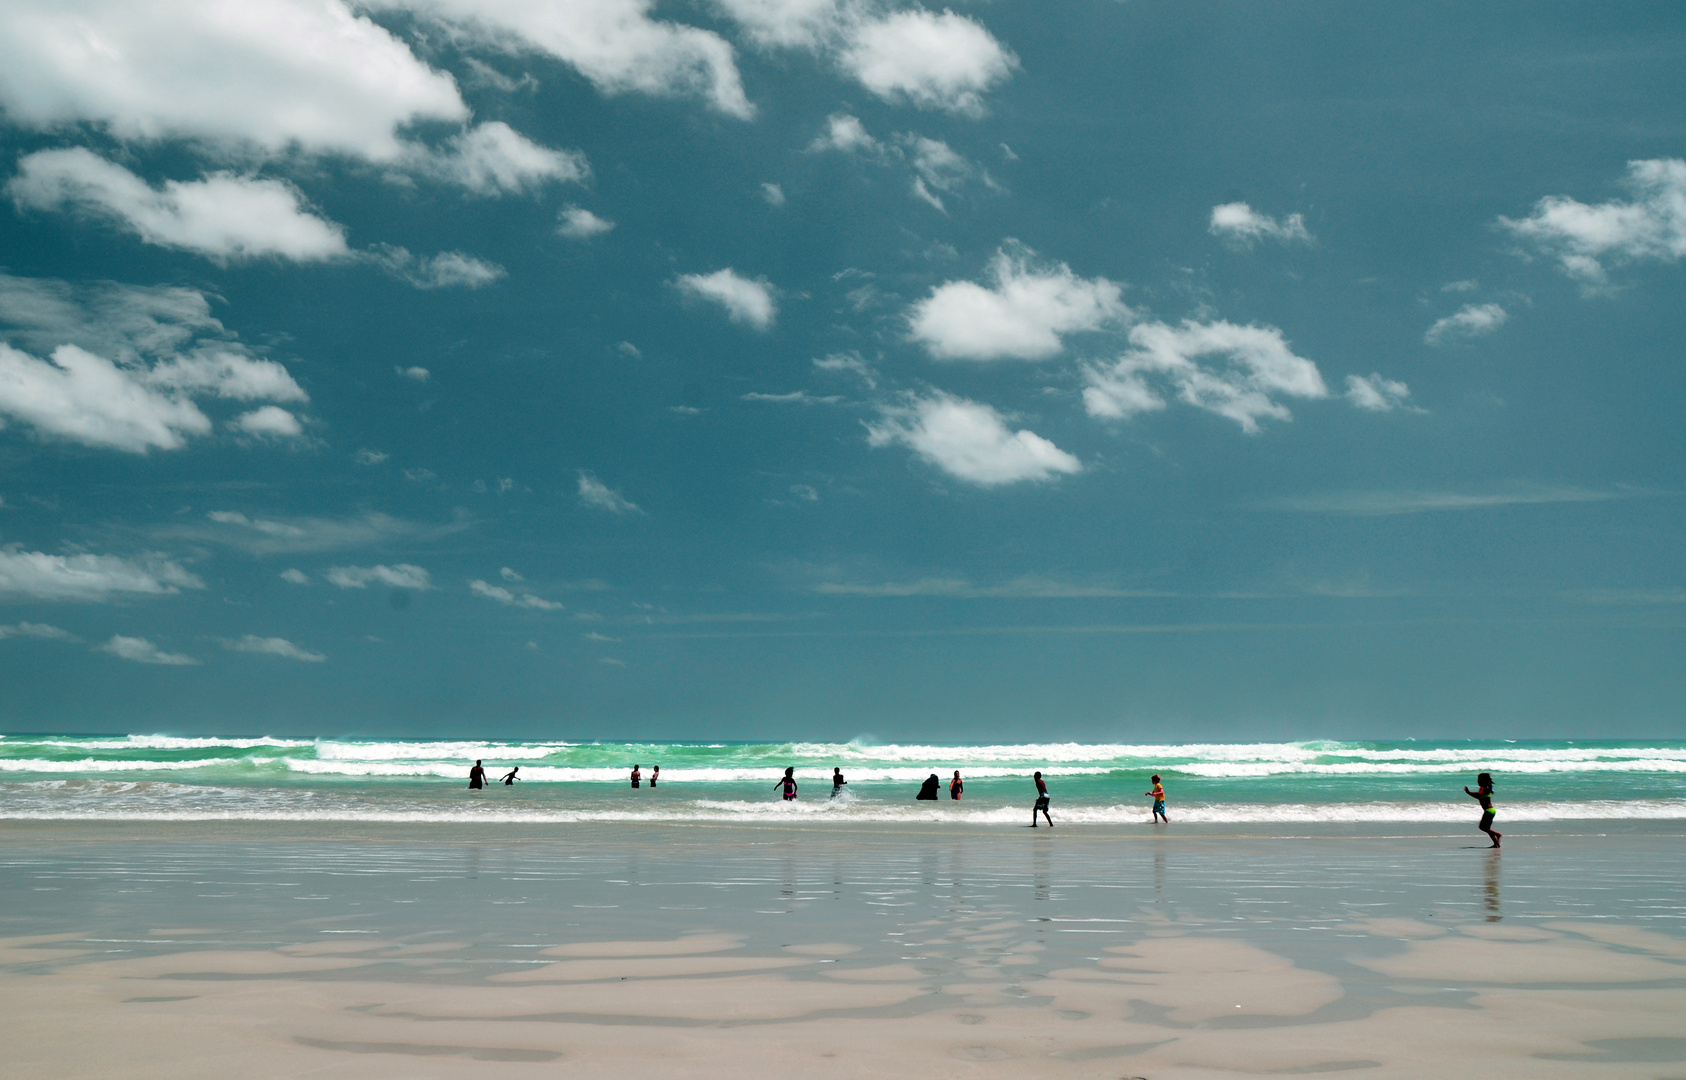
[
  {"x": 1026, "y": 588},
  {"x": 301, "y": 535},
  {"x": 1387, "y": 503},
  {"x": 1469, "y": 321},
  {"x": 39, "y": 631},
  {"x": 399, "y": 576},
  {"x": 522, "y": 599},
  {"x": 595, "y": 493}
]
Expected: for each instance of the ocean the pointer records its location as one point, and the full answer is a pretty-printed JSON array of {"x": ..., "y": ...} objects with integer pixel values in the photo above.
[{"x": 175, "y": 778}]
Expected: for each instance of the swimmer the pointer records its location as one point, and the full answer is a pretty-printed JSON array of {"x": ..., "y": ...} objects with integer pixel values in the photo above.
[
  {"x": 477, "y": 776},
  {"x": 788, "y": 783},
  {"x": 955, "y": 787},
  {"x": 837, "y": 782},
  {"x": 509, "y": 777},
  {"x": 637, "y": 777}
]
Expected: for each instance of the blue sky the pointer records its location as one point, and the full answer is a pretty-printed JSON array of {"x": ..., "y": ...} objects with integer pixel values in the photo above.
[{"x": 822, "y": 368}]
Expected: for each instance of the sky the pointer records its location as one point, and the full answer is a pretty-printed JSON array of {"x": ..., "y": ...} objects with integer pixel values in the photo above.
[{"x": 828, "y": 369}]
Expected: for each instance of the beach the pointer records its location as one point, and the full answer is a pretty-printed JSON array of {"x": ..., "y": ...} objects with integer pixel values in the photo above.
[{"x": 377, "y": 949}]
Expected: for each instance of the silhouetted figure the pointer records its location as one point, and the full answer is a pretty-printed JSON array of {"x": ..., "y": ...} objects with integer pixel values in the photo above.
[
  {"x": 509, "y": 777},
  {"x": 655, "y": 774},
  {"x": 837, "y": 781},
  {"x": 955, "y": 787},
  {"x": 1041, "y": 802},
  {"x": 637, "y": 777},
  {"x": 928, "y": 790},
  {"x": 788, "y": 783},
  {"x": 1158, "y": 794},
  {"x": 477, "y": 776},
  {"x": 1484, "y": 796}
]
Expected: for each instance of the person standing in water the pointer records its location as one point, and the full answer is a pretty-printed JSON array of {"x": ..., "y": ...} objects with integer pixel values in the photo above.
[
  {"x": 955, "y": 787},
  {"x": 1158, "y": 794},
  {"x": 477, "y": 776},
  {"x": 655, "y": 774},
  {"x": 837, "y": 781},
  {"x": 1041, "y": 802},
  {"x": 928, "y": 790},
  {"x": 788, "y": 783},
  {"x": 1484, "y": 796},
  {"x": 509, "y": 777},
  {"x": 637, "y": 777}
]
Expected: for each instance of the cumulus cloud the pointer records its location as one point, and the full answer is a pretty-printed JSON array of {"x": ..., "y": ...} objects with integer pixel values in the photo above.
[
  {"x": 401, "y": 576},
  {"x": 36, "y": 575},
  {"x": 613, "y": 43},
  {"x": 1241, "y": 223},
  {"x": 1376, "y": 394},
  {"x": 513, "y": 599},
  {"x": 142, "y": 651},
  {"x": 224, "y": 217},
  {"x": 446, "y": 270},
  {"x": 268, "y": 422},
  {"x": 295, "y": 576},
  {"x": 1258, "y": 368},
  {"x": 845, "y": 133},
  {"x": 1471, "y": 321},
  {"x": 746, "y": 301},
  {"x": 593, "y": 492},
  {"x": 40, "y": 631},
  {"x": 968, "y": 440},
  {"x": 273, "y": 646},
  {"x": 493, "y": 159},
  {"x": 264, "y": 75},
  {"x": 933, "y": 61},
  {"x": 125, "y": 363},
  {"x": 1649, "y": 226},
  {"x": 578, "y": 223},
  {"x": 787, "y": 23},
  {"x": 1021, "y": 314}
]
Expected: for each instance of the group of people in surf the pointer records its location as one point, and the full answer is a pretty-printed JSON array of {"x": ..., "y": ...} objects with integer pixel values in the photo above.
[{"x": 928, "y": 791}]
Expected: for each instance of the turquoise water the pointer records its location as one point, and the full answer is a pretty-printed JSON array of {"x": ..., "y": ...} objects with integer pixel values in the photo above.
[{"x": 159, "y": 777}]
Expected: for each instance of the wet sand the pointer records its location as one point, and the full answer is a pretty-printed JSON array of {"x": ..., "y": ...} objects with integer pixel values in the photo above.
[{"x": 255, "y": 951}]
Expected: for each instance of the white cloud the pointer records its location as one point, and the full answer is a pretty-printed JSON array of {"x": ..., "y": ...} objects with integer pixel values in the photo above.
[
  {"x": 795, "y": 397},
  {"x": 745, "y": 301},
  {"x": 142, "y": 651},
  {"x": 1021, "y": 315},
  {"x": 1239, "y": 222},
  {"x": 593, "y": 492},
  {"x": 1466, "y": 285},
  {"x": 969, "y": 440},
  {"x": 87, "y": 399},
  {"x": 773, "y": 193},
  {"x": 933, "y": 61},
  {"x": 401, "y": 576},
  {"x": 295, "y": 576},
  {"x": 370, "y": 457},
  {"x": 846, "y": 133},
  {"x": 446, "y": 270},
  {"x": 787, "y": 23},
  {"x": 1260, "y": 368},
  {"x": 273, "y": 646},
  {"x": 1388, "y": 503},
  {"x": 263, "y": 75},
  {"x": 414, "y": 374},
  {"x": 125, "y": 362},
  {"x": 1471, "y": 320},
  {"x": 850, "y": 362},
  {"x": 508, "y": 574},
  {"x": 224, "y": 217},
  {"x": 1376, "y": 394},
  {"x": 264, "y": 536},
  {"x": 504, "y": 596},
  {"x": 1651, "y": 226},
  {"x": 268, "y": 422},
  {"x": 36, "y": 630},
  {"x": 613, "y": 43},
  {"x": 805, "y": 492},
  {"x": 925, "y": 195},
  {"x": 493, "y": 158},
  {"x": 578, "y": 223}
]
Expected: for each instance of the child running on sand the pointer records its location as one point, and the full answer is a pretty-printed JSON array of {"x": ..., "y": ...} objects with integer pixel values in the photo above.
[
  {"x": 1158, "y": 794},
  {"x": 788, "y": 783},
  {"x": 1484, "y": 796},
  {"x": 1041, "y": 802}
]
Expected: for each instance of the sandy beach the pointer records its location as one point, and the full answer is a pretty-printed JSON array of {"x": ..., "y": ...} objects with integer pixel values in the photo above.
[{"x": 385, "y": 951}]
